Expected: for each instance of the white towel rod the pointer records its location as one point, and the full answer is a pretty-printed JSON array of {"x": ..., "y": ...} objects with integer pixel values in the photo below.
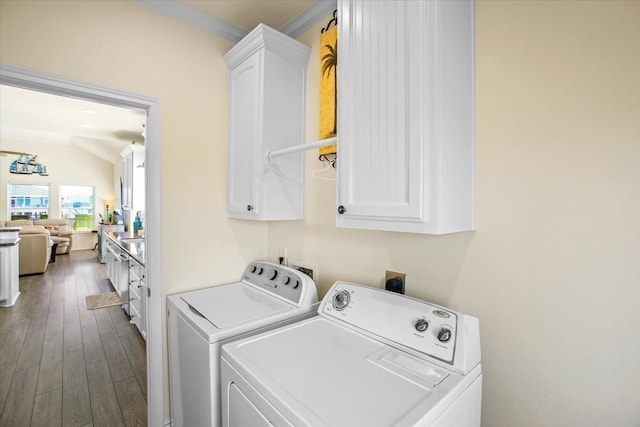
[{"x": 302, "y": 147}]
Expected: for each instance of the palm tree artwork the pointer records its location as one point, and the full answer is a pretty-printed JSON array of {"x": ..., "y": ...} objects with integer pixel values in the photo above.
[{"x": 329, "y": 65}]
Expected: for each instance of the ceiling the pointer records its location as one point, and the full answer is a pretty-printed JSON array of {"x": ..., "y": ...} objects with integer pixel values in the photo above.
[
  {"x": 104, "y": 130},
  {"x": 246, "y": 14}
]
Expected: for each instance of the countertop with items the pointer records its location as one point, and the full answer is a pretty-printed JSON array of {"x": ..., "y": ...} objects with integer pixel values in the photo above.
[{"x": 133, "y": 245}]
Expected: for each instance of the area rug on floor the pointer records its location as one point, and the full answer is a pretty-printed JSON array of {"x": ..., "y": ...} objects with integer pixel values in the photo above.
[{"x": 103, "y": 300}]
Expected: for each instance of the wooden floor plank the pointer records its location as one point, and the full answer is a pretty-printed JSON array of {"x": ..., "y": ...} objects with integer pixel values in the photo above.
[
  {"x": 50, "y": 376},
  {"x": 55, "y": 319},
  {"x": 134, "y": 348},
  {"x": 118, "y": 362},
  {"x": 76, "y": 405},
  {"x": 19, "y": 402},
  {"x": 120, "y": 321},
  {"x": 93, "y": 349},
  {"x": 134, "y": 408},
  {"x": 6, "y": 375},
  {"x": 47, "y": 409},
  {"x": 104, "y": 403},
  {"x": 103, "y": 320},
  {"x": 32, "y": 348},
  {"x": 12, "y": 345},
  {"x": 72, "y": 336}
]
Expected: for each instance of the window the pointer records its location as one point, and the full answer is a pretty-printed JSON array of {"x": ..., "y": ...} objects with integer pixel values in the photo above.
[
  {"x": 28, "y": 201},
  {"x": 76, "y": 203}
]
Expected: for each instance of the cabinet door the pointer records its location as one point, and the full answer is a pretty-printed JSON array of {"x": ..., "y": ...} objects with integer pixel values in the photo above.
[
  {"x": 244, "y": 134},
  {"x": 406, "y": 116},
  {"x": 127, "y": 168},
  {"x": 380, "y": 172},
  {"x": 137, "y": 181}
]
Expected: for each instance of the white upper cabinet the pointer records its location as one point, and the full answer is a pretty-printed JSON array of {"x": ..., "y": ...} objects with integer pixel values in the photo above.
[
  {"x": 267, "y": 72},
  {"x": 133, "y": 186},
  {"x": 406, "y": 112}
]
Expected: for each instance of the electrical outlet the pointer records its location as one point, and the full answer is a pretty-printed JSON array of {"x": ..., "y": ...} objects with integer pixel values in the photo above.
[
  {"x": 282, "y": 256},
  {"x": 394, "y": 281},
  {"x": 310, "y": 270}
]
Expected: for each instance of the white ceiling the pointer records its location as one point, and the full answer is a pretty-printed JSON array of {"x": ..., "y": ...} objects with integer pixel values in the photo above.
[
  {"x": 28, "y": 116},
  {"x": 103, "y": 130}
]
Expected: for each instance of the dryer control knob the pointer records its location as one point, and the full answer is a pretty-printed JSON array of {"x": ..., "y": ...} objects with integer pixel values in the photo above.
[
  {"x": 286, "y": 279},
  {"x": 260, "y": 270},
  {"x": 272, "y": 274},
  {"x": 295, "y": 284},
  {"x": 341, "y": 300},
  {"x": 421, "y": 325},
  {"x": 444, "y": 335}
]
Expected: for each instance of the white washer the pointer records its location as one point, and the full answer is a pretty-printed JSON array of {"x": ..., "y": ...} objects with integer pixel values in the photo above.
[
  {"x": 199, "y": 322},
  {"x": 372, "y": 358}
]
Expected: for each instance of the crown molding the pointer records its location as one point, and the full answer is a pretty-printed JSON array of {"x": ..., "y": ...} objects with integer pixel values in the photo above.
[
  {"x": 192, "y": 16},
  {"x": 310, "y": 16},
  {"x": 175, "y": 9}
]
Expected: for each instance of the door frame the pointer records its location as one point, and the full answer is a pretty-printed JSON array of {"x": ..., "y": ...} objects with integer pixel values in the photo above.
[{"x": 57, "y": 85}]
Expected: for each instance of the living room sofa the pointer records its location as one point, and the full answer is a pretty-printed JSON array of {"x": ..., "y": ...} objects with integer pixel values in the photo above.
[
  {"x": 34, "y": 249},
  {"x": 59, "y": 229}
]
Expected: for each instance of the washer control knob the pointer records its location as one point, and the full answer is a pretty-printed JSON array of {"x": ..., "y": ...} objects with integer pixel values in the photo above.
[
  {"x": 254, "y": 268},
  {"x": 260, "y": 270},
  {"x": 444, "y": 335},
  {"x": 341, "y": 300},
  {"x": 421, "y": 324},
  {"x": 272, "y": 274},
  {"x": 295, "y": 284},
  {"x": 286, "y": 279}
]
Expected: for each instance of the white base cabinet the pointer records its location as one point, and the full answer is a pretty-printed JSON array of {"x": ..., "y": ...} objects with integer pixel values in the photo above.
[
  {"x": 138, "y": 302},
  {"x": 267, "y": 72},
  {"x": 9, "y": 272},
  {"x": 406, "y": 113},
  {"x": 118, "y": 270}
]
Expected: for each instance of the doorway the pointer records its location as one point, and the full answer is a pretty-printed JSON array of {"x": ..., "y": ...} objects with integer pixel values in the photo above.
[{"x": 42, "y": 82}]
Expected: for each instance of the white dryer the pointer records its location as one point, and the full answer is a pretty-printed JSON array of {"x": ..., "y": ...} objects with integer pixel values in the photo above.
[
  {"x": 372, "y": 358},
  {"x": 199, "y": 322}
]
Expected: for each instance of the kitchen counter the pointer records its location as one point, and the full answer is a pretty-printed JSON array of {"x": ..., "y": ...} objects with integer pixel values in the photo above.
[
  {"x": 9, "y": 236},
  {"x": 134, "y": 246}
]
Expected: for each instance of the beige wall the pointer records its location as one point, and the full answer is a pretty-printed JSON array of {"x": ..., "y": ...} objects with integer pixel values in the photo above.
[
  {"x": 66, "y": 164},
  {"x": 553, "y": 269},
  {"x": 123, "y": 45}
]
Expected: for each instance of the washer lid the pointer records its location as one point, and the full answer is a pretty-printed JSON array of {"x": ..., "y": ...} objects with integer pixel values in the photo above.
[
  {"x": 230, "y": 305},
  {"x": 328, "y": 375}
]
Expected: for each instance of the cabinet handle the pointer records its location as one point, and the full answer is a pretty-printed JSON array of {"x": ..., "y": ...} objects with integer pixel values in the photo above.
[
  {"x": 249, "y": 208},
  {"x": 341, "y": 209}
]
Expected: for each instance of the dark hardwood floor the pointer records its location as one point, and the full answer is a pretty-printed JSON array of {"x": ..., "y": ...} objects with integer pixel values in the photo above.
[{"x": 64, "y": 365}]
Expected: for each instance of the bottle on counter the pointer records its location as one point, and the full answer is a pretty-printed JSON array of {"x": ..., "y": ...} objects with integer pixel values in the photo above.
[{"x": 137, "y": 224}]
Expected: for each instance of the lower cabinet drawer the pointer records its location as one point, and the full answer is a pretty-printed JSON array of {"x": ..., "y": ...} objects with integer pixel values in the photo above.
[
  {"x": 135, "y": 316},
  {"x": 134, "y": 300}
]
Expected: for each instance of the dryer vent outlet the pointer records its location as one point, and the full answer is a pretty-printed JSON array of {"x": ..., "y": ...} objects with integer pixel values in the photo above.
[
  {"x": 310, "y": 270},
  {"x": 394, "y": 281}
]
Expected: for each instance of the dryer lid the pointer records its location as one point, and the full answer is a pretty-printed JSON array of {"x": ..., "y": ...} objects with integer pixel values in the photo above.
[{"x": 230, "y": 305}]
